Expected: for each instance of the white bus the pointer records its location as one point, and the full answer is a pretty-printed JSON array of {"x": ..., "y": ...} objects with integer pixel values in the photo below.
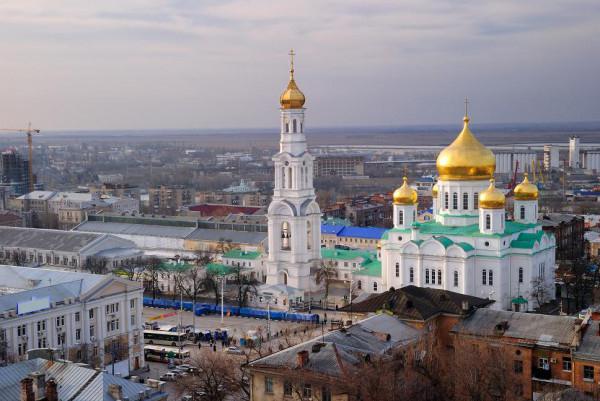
[
  {"x": 164, "y": 338},
  {"x": 160, "y": 353}
]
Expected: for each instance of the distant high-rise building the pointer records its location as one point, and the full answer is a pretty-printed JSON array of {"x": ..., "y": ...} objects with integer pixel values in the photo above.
[
  {"x": 14, "y": 172},
  {"x": 551, "y": 157},
  {"x": 574, "y": 152},
  {"x": 507, "y": 161}
]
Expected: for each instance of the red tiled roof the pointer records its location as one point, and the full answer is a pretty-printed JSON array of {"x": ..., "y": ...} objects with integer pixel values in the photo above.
[{"x": 208, "y": 209}]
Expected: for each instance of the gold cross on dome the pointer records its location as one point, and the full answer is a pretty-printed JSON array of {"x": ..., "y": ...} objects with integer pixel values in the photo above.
[{"x": 466, "y": 106}]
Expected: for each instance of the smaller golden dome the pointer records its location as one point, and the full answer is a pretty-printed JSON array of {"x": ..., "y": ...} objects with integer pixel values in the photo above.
[
  {"x": 405, "y": 195},
  {"x": 292, "y": 97},
  {"x": 526, "y": 190},
  {"x": 434, "y": 190},
  {"x": 492, "y": 197}
]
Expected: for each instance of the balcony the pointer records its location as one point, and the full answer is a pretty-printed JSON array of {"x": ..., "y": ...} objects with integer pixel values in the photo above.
[{"x": 542, "y": 374}]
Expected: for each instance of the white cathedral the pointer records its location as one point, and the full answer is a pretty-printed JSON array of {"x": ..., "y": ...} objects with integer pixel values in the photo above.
[{"x": 470, "y": 247}]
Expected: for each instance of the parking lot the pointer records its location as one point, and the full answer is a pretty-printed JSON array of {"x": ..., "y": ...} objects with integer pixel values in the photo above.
[{"x": 237, "y": 327}]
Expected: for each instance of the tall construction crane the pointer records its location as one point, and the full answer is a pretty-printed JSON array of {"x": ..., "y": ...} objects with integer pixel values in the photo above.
[{"x": 29, "y": 132}]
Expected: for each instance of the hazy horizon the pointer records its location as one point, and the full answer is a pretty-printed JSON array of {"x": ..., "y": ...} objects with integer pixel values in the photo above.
[{"x": 222, "y": 64}]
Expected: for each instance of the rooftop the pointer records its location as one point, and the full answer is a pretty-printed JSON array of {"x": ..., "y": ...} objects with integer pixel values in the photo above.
[
  {"x": 239, "y": 254},
  {"x": 472, "y": 230},
  {"x": 57, "y": 240}
]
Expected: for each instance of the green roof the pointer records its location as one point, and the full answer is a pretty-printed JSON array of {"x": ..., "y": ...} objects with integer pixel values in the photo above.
[
  {"x": 527, "y": 240},
  {"x": 343, "y": 254},
  {"x": 371, "y": 268},
  {"x": 219, "y": 269},
  {"x": 519, "y": 300},
  {"x": 471, "y": 230},
  {"x": 466, "y": 247},
  {"x": 444, "y": 241},
  {"x": 239, "y": 254},
  {"x": 395, "y": 230}
]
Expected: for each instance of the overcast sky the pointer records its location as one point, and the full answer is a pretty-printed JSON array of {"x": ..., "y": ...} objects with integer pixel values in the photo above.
[{"x": 110, "y": 64}]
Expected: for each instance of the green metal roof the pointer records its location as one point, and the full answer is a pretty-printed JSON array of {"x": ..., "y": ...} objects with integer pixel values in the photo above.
[
  {"x": 371, "y": 268},
  {"x": 471, "y": 230},
  {"x": 466, "y": 247},
  {"x": 343, "y": 254},
  {"x": 444, "y": 241},
  {"x": 219, "y": 269},
  {"x": 527, "y": 240},
  {"x": 175, "y": 267},
  {"x": 239, "y": 254},
  {"x": 519, "y": 300}
]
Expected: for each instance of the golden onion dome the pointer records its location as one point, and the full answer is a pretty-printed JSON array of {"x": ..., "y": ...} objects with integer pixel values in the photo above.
[
  {"x": 466, "y": 158},
  {"x": 292, "y": 97},
  {"x": 492, "y": 197},
  {"x": 526, "y": 190},
  {"x": 405, "y": 195},
  {"x": 434, "y": 190}
]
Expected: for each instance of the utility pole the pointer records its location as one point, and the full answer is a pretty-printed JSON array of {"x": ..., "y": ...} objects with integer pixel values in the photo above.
[{"x": 222, "y": 291}]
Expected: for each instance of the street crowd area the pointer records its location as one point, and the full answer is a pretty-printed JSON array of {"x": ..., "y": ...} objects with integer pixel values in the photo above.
[{"x": 283, "y": 334}]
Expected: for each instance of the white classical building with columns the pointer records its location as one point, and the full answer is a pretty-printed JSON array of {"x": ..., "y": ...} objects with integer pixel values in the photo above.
[
  {"x": 294, "y": 217},
  {"x": 470, "y": 247}
]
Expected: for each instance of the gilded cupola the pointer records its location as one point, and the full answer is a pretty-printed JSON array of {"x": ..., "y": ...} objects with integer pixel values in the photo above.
[
  {"x": 292, "y": 97},
  {"x": 526, "y": 190},
  {"x": 405, "y": 195},
  {"x": 434, "y": 190},
  {"x": 492, "y": 197},
  {"x": 466, "y": 158}
]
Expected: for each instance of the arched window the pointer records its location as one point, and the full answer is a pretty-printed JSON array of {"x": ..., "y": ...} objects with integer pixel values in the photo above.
[
  {"x": 287, "y": 127},
  {"x": 294, "y": 125},
  {"x": 522, "y": 212},
  {"x": 465, "y": 201},
  {"x": 488, "y": 221},
  {"x": 286, "y": 242},
  {"x": 446, "y": 200},
  {"x": 400, "y": 217},
  {"x": 491, "y": 278},
  {"x": 475, "y": 200},
  {"x": 411, "y": 275},
  {"x": 397, "y": 269},
  {"x": 484, "y": 277},
  {"x": 454, "y": 201},
  {"x": 375, "y": 286},
  {"x": 455, "y": 278},
  {"x": 520, "y": 275},
  {"x": 308, "y": 235},
  {"x": 426, "y": 276},
  {"x": 359, "y": 285},
  {"x": 439, "y": 277},
  {"x": 289, "y": 177}
]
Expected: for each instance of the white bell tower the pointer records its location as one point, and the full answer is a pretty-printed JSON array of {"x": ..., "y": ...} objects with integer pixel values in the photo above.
[{"x": 294, "y": 216}]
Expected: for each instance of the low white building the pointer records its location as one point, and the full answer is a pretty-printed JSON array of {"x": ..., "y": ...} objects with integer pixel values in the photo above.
[{"x": 89, "y": 318}]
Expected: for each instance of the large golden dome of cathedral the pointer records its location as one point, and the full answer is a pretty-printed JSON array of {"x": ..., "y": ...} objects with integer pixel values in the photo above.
[
  {"x": 466, "y": 158},
  {"x": 405, "y": 195},
  {"x": 292, "y": 97},
  {"x": 492, "y": 197},
  {"x": 526, "y": 190}
]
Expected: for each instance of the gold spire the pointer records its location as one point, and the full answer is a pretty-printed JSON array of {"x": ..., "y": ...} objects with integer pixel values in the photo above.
[
  {"x": 526, "y": 190},
  {"x": 466, "y": 158},
  {"x": 492, "y": 197},
  {"x": 292, "y": 97},
  {"x": 405, "y": 195}
]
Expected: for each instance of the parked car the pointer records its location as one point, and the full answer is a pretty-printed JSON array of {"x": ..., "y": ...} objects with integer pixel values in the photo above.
[
  {"x": 168, "y": 377},
  {"x": 234, "y": 351}
]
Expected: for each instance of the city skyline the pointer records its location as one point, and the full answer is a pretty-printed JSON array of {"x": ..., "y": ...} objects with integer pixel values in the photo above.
[{"x": 223, "y": 64}]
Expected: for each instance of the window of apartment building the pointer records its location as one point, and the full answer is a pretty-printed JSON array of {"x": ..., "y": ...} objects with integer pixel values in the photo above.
[
  {"x": 91, "y": 313},
  {"x": 78, "y": 335},
  {"x": 22, "y": 330},
  {"x": 132, "y": 303},
  {"x": 112, "y": 308},
  {"x": 92, "y": 331},
  {"x": 543, "y": 363},
  {"x": 325, "y": 394},
  {"x": 56, "y": 260},
  {"x": 411, "y": 274},
  {"x": 397, "y": 269},
  {"x": 268, "y": 385},
  {"x": 588, "y": 373},
  {"x": 484, "y": 277},
  {"x": 133, "y": 320},
  {"x": 77, "y": 316},
  {"x": 42, "y": 342},
  {"x": 566, "y": 363},
  {"x": 520, "y": 275},
  {"x": 112, "y": 325},
  {"x": 518, "y": 366},
  {"x": 60, "y": 321},
  {"x": 41, "y": 325},
  {"x": 307, "y": 391},
  {"x": 60, "y": 339},
  {"x": 22, "y": 349},
  {"x": 287, "y": 388},
  {"x": 455, "y": 278}
]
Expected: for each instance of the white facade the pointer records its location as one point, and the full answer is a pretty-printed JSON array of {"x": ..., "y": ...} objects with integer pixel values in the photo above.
[
  {"x": 507, "y": 161},
  {"x": 551, "y": 157},
  {"x": 574, "y": 152},
  {"x": 591, "y": 160},
  {"x": 294, "y": 217},
  {"x": 87, "y": 313}
]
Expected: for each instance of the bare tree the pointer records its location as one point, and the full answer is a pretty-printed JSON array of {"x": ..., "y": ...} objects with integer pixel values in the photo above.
[
  {"x": 325, "y": 274},
  {"x": 152, "y": 271},
  {"x": 96, "y": 265},
  {"x": 17, "y": 258},
  {"x": 210, "y": 282},
  {"x": 194, "y": 282},
  {"x": 244, "y": 285},
  {"x": 213, "y": 378}
]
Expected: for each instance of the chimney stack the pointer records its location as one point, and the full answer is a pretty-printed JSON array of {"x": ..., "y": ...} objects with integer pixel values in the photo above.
[
  {"x": 39, "y": 384},
  {"x": 51, "y": 390},
  {"x": 301, "y": 359},
  {"x": 465, "y": 306},
  {"x": 115, "y": 391},
  {"x": 27, "y": 389}
]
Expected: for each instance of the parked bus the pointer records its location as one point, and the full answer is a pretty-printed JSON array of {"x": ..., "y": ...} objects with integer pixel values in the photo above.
[
  {"x": 158, "y": 353},
  {"x": 164, "y": 338}
]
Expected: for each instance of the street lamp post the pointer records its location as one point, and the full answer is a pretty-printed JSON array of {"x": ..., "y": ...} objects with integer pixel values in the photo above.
[{"x": 222, "y": 291}]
